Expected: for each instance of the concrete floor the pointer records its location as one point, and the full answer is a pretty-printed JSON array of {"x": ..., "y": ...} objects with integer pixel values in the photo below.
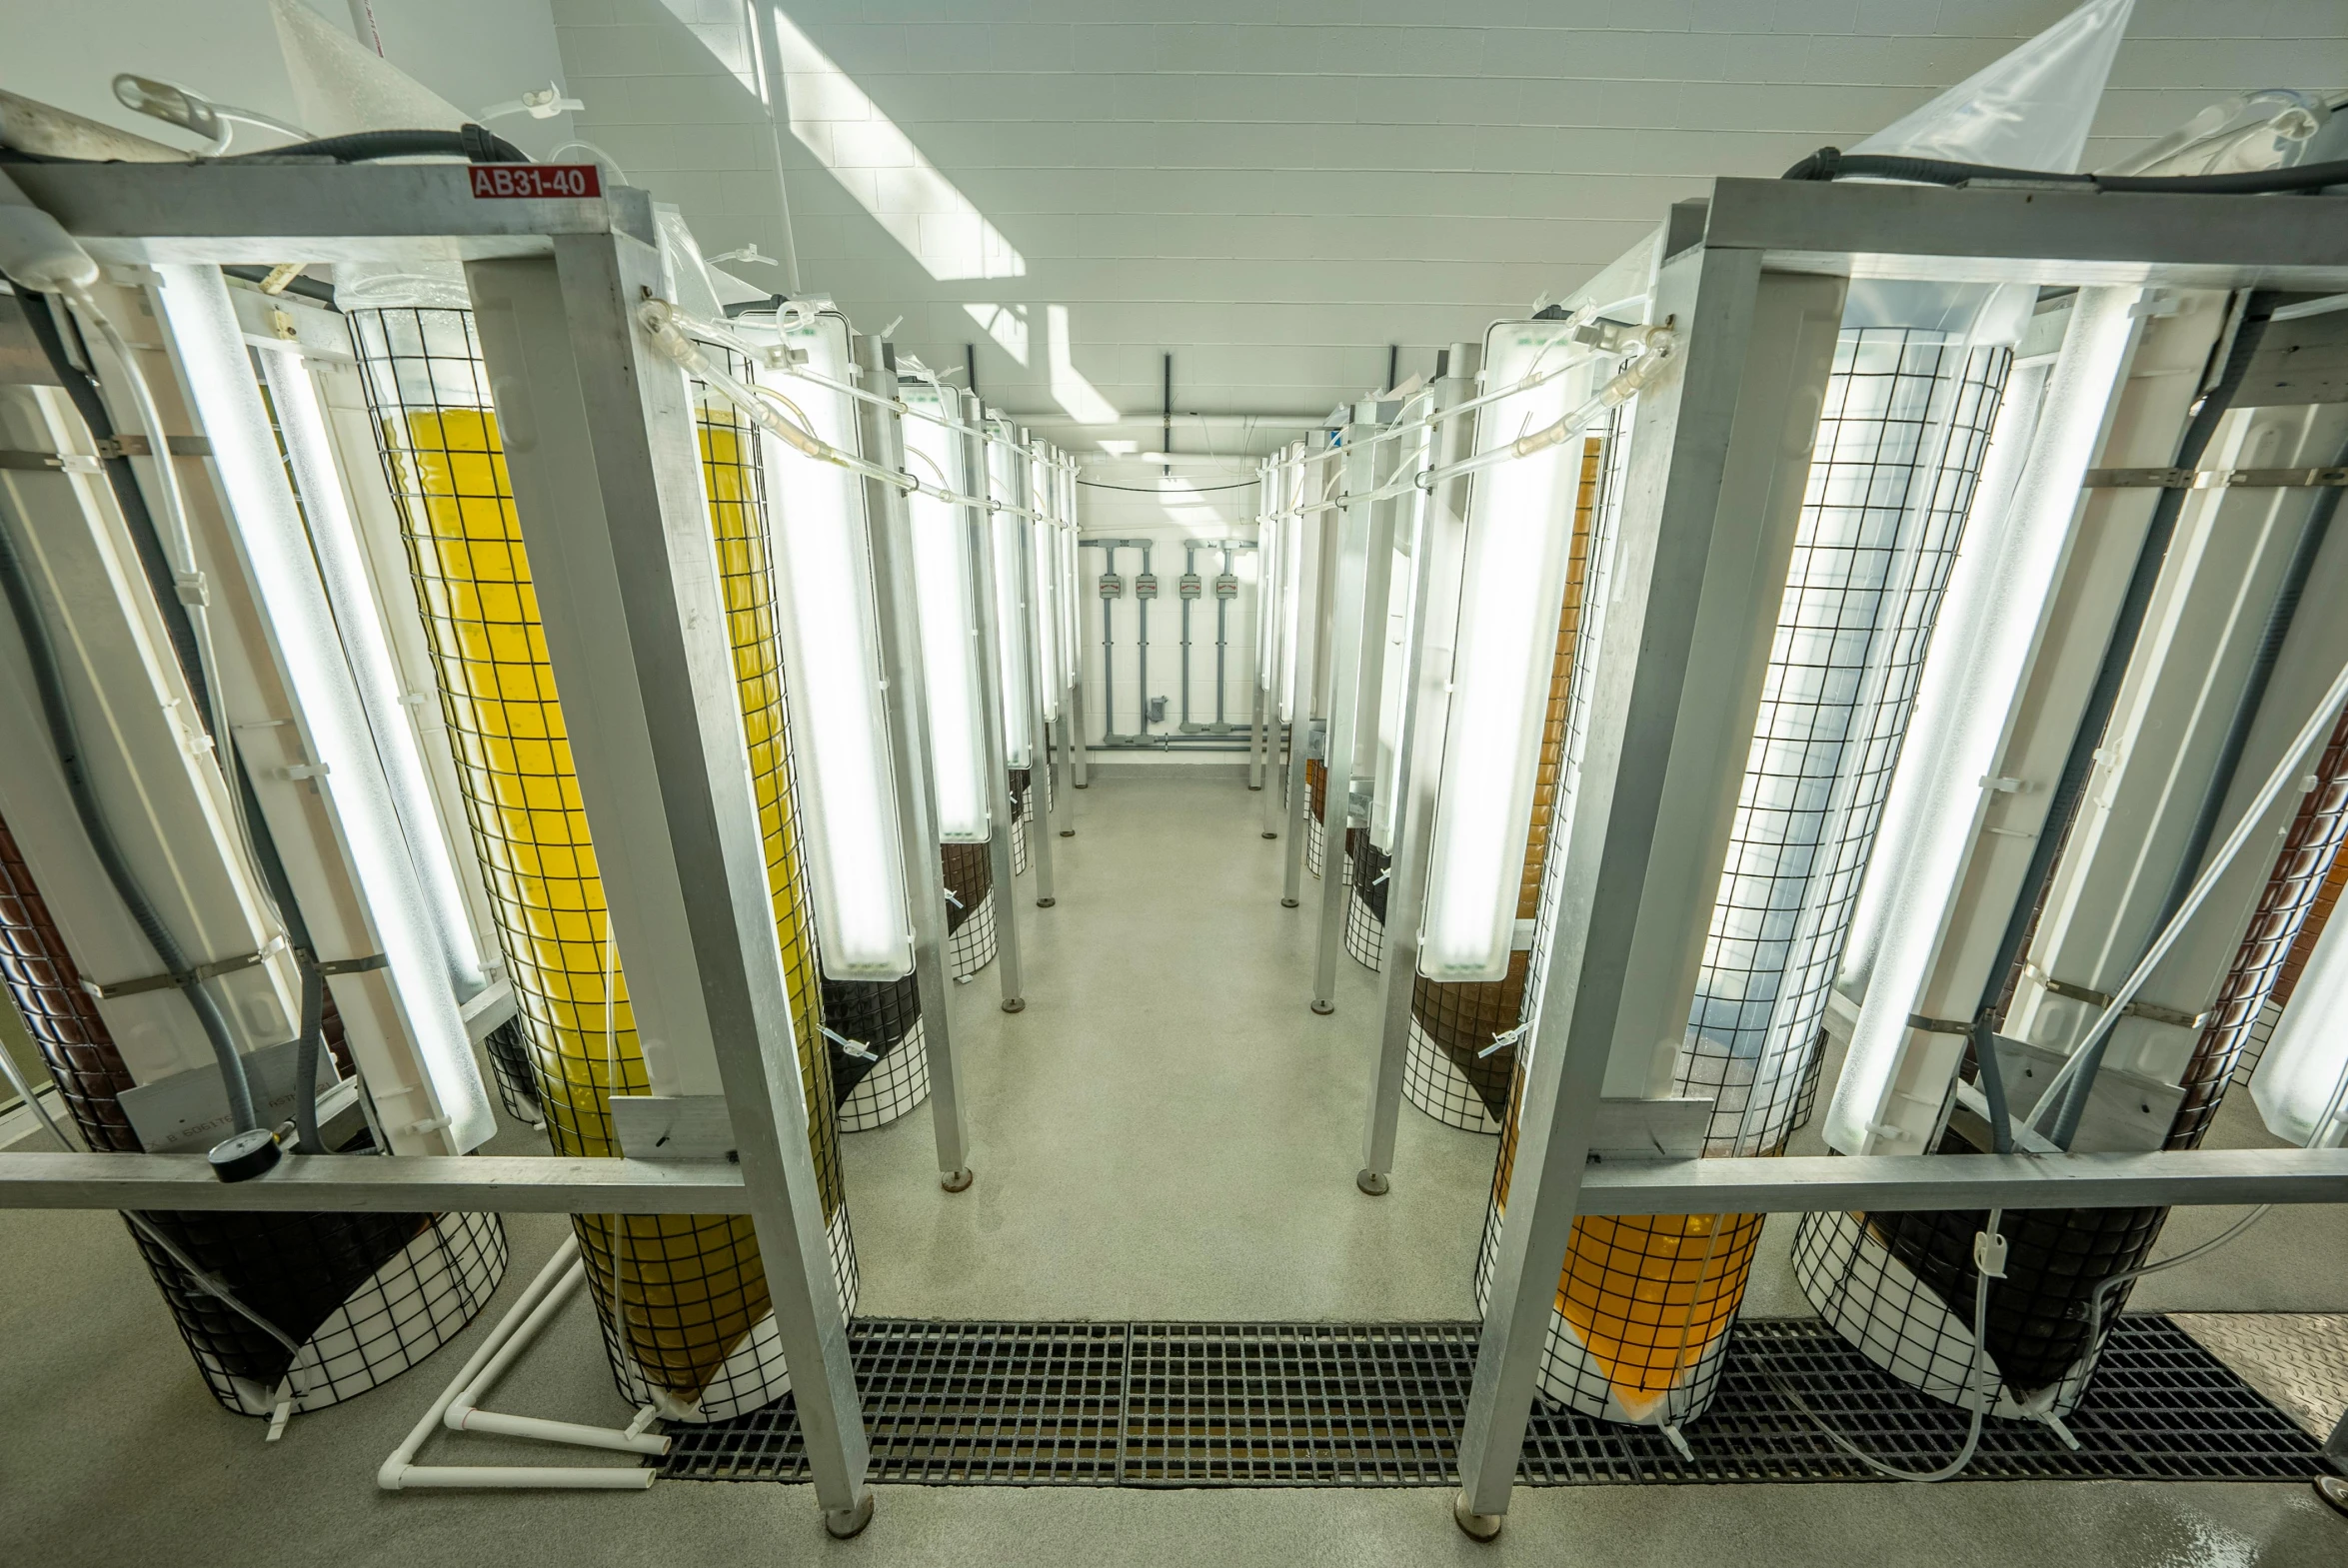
[{"x": 1166, "y": 1131}]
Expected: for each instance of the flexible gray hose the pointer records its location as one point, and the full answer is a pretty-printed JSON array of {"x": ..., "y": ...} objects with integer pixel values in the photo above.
[
  {"x": 312, "y": 1045},
  {"x": 58, "y": 713}
]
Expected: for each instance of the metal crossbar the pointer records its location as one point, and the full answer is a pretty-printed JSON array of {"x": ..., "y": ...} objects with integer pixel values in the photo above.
[{"x": 541, "y": 1184}]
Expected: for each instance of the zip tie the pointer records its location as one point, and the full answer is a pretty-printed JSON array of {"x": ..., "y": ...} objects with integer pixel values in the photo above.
[
  {"x": 856, "y": 1049},
  {"x": 1501, "y": 1042}
]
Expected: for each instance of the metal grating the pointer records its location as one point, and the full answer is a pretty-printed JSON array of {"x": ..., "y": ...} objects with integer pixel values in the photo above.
[
  {"x": 1296, "y": 1405},
  {"x": 1380, "y": 1404}
]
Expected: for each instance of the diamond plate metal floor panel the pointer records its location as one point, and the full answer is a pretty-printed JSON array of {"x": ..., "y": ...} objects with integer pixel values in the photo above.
[
  {"x": 1380, "y": 1404},
  {"x": 2299, "y": 1360}
]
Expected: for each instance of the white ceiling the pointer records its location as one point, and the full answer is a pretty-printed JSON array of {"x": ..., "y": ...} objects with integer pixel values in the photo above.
[{"x": 1273, "y": 191}]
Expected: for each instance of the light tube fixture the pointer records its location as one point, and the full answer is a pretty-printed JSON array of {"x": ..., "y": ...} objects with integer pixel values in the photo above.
[
  {"x": 1514, "y": 581},
  {"x": 829, "y": 626},
  {"x": 277, "y": 556},
  {"x": 2301, "y": 1083},
  {"x": 334, "y": 539},
  {"x": 1387, "y": 798},
  {"x": 1988, "y": 632},
  {"x": 1292, "y": 581},
  {"x": 1071, "y": 632},
  {"x": 1042, "y": 493},
  {"x": 1004, "y": 472},
  {"x": 1267, "y": 588},
  {"x": 945, "y": 591}
]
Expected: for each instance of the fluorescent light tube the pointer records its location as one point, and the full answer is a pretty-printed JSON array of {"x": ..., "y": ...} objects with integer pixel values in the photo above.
[
  {"x": 334, "y": 539},
  {"x": 944, "y": 589},
  {"x": 829, "y": 632},
  {"x": 1291, "y": 582},
  {"x": 278, "y": 558},
  {"x": 1047, "y": 595},
  {"x": 1989, "y": 629},
  {"x": 1519, "y": 537},
  {"x": 1071, "y": 664},
  {"x": 1003, "y": 473},
  {"x": 2301, "y": 1085}
]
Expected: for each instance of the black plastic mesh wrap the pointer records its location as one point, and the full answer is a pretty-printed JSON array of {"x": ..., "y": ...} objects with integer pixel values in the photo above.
[
  {"x": 969, "y": 870},
  {"x": 879, "y": 1072},
  {"x": 509, "y": 1067},
  {"x": 364, "y": 1295},
  {"x": 1366, "y": 905},
  {"x": 1915, "y": 1318},
  {"x": 1023, "y": 808},
  {"x": 1316, "y": 803}
]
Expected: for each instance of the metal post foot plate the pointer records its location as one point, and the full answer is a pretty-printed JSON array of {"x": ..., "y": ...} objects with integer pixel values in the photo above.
[
  {"x": 1046, "y": 903},
  {"x": 1287, "y": 904},
  {"x": 1271, "y": 835},
  {"x": 1324, "y": 1009},
  {"x": 1476, "y": 1527},
  {"x": 846, "y": 1524},
  {"x": 1372, "y": 1183},
  {"x": 1015, "y": 1004},
  {"x": 1068, "y": 832},
  {"x": 955, "y": 1180}
]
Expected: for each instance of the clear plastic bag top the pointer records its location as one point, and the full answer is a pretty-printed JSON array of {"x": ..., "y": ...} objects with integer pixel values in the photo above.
[{"x": 2030, "y": 110}]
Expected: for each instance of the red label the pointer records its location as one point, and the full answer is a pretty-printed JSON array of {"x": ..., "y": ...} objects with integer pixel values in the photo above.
[{"x": 537, "y": 181}]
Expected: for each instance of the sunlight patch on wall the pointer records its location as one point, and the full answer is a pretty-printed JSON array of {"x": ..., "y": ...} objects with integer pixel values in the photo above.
[
  {"x": 1007, "y": 324},
  {"x": 878, "y": 163},
  {"x": 1079, "y": 398},
  {"x": 725, "y": 29}
]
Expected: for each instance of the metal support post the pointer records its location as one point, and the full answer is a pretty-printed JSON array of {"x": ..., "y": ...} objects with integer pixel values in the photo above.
[
  {"x": 898, "y": 621},
  {"x": 1255, "y": 733},
  {"x": 1274, "y": 799},
  {"x": 607, "y": 484},
  {"x": 1300, "y": 806},
  {"x": 1076, "y": 726},
  {"x": 1067, "y": 798},
  {"x": 1438, "y": 552},
  {"x": 998, "y": 805},
  {"x": 1719, "y": 459},
  {"x": 1357, "y": 642}
]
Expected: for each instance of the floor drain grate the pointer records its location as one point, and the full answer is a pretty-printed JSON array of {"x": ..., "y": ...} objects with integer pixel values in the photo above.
[{"x": 1380, "y": 1404}]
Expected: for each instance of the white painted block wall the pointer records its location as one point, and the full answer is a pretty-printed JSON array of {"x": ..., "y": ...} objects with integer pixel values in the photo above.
[{"x": 1199, "y": 501}]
